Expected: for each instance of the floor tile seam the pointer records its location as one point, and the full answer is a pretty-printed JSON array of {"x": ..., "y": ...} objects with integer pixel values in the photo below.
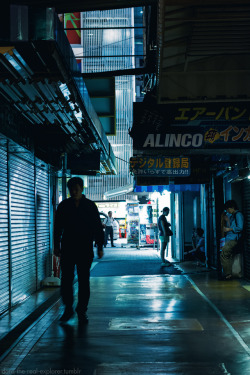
[
  {"x": 31, "y": 301},
  {"x": 12, "y": 335},
  {"x": 161, "y": 367},
  {"x": 30, "y": 341},
  {"x": 215, "y": 293},
  {"x": 235, "y": 334},
  {"x": 11, "y": 313}
]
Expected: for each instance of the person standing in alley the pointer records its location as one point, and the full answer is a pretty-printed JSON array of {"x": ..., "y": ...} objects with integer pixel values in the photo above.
[
  {"x": 234, "y": 221},
  {"x": 109, "y": 230},
  {"x": 77, "y": 224},
  {"x": 164, "y": 233}
]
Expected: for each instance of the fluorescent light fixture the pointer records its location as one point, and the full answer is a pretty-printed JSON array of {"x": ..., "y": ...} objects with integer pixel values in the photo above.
[
  {"x": 13, "y": 62},
  {"x": 78, "y": 115},
  {"x": 119, "y": 191},
  {"x": 65, "y": 91}
]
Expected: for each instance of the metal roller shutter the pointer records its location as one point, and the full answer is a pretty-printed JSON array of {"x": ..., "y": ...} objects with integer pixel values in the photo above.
[
  {"x": 246, "y": 211},
  {"x": 42, "y": 224},
  {"x": 4, "y": 245},
  {"x": 22, "y": 213}
]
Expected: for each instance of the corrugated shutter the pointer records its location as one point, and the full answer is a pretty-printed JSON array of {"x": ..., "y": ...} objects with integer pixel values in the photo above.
[
  {"x": 42, "y": 224},
  {"x": 246, "y": 212},
  {"x": 4, "y": 255},
  {"x": 22, "y": 228}
]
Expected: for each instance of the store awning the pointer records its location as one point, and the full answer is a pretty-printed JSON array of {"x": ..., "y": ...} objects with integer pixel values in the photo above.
[{"x": 171, "y": 187}]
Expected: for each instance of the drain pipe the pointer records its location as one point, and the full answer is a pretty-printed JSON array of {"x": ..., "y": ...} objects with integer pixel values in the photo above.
[{"x": 64, "y": 176}]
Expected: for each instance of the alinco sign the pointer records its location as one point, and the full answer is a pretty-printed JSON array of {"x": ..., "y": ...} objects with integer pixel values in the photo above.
[
  {"x": 173, "y": 140},
  {"x": 214, "y": 126},
  {"x": 205, "y": 137}
]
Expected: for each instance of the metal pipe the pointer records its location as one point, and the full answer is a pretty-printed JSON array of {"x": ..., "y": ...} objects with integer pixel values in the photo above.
[
  {"x": 64, "y": 176},
  {"x": 105, "y": 28},
  {"x": 9, "y": 225},
  {"x": 102, "y": 57},
  {"x": 35, "y": 199},
  {"x": 121, "y": 72}
]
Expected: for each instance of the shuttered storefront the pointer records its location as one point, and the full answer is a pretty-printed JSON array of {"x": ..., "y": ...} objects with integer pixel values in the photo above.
[
  {"x": 4, "y": 246},
  {"x": 25, "y": 258},
  {"x": 23, "y": 249},
  {"x": 42, "y": 223},
  {"x": 246, "y": 212}
]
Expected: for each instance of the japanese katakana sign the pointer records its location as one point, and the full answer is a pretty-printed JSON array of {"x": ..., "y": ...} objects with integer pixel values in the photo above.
[
  {"x": 211, "y": 125},
  {"x": 222, "y": 112},
  {"x": 160, "y": 166},
  {"x": 203, "y": 138}
]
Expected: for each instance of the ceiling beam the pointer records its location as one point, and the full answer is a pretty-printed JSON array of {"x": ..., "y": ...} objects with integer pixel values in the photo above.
[
  {"x": 207, "y": 3},
  {"x": 63, "y": 6},
  {"x": 124, "y": 72}
]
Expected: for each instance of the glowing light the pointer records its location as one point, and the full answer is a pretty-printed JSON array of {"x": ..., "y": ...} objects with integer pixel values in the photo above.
[
  {"x": 66, "y": 93},
  {"x": 171, "y": 304},
  {"x": 112, "y": 36},
  {"x": 155, "y": 195},
  {"x": 156, "y": 304}
]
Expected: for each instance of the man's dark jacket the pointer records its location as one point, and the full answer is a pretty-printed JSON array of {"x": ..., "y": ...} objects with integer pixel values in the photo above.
[{"x": 76, "y": 228}]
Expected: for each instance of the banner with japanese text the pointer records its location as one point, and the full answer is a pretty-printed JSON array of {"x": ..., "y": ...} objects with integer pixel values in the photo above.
[
  {"x": 191, "y": 126},
  {"x": 160, "y": 166}
]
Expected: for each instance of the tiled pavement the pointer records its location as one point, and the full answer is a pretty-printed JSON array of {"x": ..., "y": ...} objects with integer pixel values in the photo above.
[{"x": 157, "y": 325}]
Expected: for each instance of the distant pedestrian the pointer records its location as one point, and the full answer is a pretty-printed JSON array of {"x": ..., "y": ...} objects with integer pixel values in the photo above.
[
  {"x": 109, "y": 229},
  {"x": 77, "y": 225},
  {"x": 164, "y": 233},
  {"x": 234, "y": 221}
]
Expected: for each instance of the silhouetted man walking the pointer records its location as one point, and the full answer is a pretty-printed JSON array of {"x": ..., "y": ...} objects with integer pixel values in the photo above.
[{"x": 77, "y": 225}]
